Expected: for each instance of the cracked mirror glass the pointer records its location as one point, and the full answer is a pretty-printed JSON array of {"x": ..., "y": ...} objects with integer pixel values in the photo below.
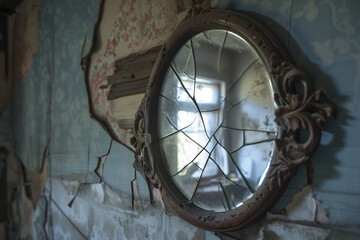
[{"x": 216, "y": 120}]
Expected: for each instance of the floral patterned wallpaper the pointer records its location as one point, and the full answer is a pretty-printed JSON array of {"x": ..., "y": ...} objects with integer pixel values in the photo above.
[{"x": 137, "y": 26}]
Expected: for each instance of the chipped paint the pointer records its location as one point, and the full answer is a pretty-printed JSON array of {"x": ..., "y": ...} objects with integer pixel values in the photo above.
[
  {"x": 125, "y": 27},
  {"x": 304, "y": 207},
  {"x": 302, "y": 218},
  {"x": 100, "y": 213}
]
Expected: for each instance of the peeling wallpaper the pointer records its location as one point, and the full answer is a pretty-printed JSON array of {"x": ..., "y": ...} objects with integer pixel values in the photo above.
[
  {"x": 132, "y": 27},
  {"x": 56, "y": 91},
  {"x": 50, "y": 108}
]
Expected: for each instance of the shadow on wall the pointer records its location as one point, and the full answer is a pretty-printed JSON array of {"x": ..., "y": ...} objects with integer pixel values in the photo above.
[
  {"x": 324, "y": 159},
  {"x": 333, "y": 137}
]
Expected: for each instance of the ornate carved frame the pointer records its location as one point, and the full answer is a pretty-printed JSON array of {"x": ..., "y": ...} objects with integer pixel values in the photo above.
[{"x": 297, "y": 110}]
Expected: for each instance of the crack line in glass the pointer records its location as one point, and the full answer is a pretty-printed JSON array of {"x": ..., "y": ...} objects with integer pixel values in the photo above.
[
  {"x": 211, "y": 110},
  {"x": 175, "y": 66},
  {"x": 179, "y": 87},
  {"x": 225, "y": 195},
  {"x": 188, "y": 75},
  {"x": 221, "y": 52},
  {"x": 193, "y": 55},
  {"x": 197, "y": 166},
  {"x": 193, "y": 99},
  {"x": 193, "y": 159},
  {"x": 252, "y": 190},
  {"x": 181, "y": 130},
  {"x": 253, "y": 143},
  {"x": 167, "y": 98},
  {"x": 240, "y": 76},
  {"x": 197, "y": 185},
  {"x": 245, "y": 130},
  {"x": 213, "y": 135},
  {"x": 204, "y": 148},
  {"x": 206, "y": 36},
  {"x": 177, "y": 130},
  {"x": 222, "y": 201},
  {"x": 224, "y": 173},
  {"x": 175, "y": 70}
]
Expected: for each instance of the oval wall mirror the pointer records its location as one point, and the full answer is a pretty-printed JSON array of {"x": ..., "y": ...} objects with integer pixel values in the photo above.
[{"x": 218, "y": 130}]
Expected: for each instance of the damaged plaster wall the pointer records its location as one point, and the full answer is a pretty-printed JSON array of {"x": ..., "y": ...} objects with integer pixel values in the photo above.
[
  {"x": 302, "y": 218},
  {"x": 50, "y": 109},
  {"x": 123, "y": 28}
]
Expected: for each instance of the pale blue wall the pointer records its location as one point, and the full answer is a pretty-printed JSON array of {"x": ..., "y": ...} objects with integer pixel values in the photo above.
[
  {"x": 51, "y": 103},
  {"x": 324, "y": 42}
]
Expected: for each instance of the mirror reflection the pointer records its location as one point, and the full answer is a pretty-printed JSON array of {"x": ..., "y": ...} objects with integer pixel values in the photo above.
[{"x": 216, "y": 120}]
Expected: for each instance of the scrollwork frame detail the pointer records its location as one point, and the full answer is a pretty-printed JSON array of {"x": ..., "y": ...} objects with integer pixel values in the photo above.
[{"x": 298, "y": 109}]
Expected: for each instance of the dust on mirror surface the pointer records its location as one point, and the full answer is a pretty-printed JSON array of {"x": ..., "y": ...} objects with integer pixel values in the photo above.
[{"x": 216, "y": 124}]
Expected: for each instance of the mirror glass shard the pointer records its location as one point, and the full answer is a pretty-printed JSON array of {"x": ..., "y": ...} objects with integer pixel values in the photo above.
[{"x": 216, "y": 120}]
